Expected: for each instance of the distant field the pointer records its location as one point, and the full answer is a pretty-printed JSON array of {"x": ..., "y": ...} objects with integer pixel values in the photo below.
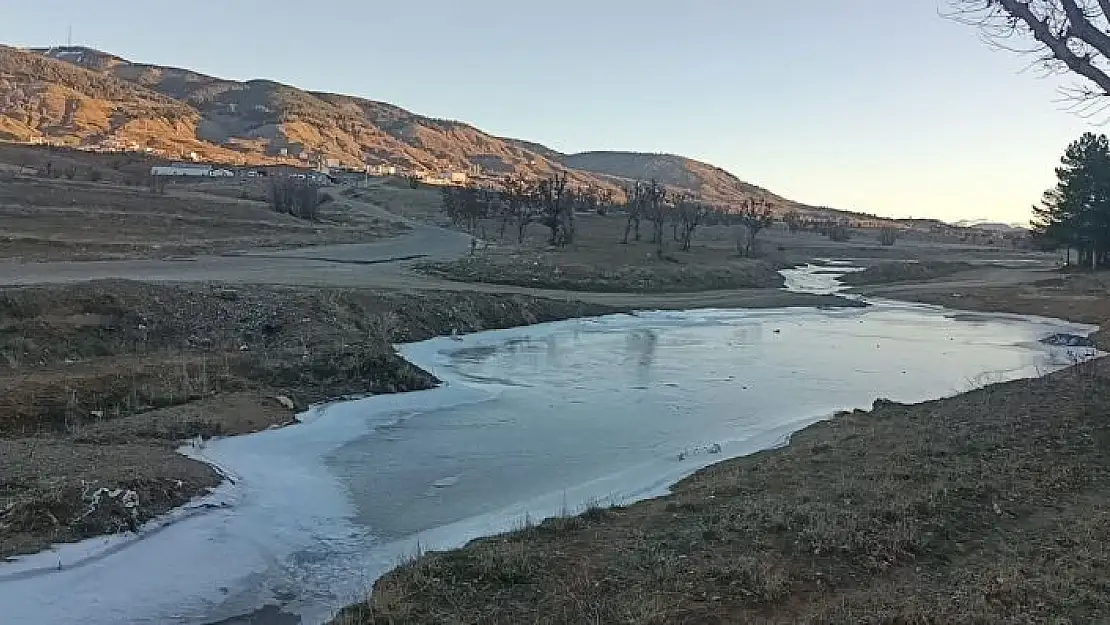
[{"x": 61, "y": 219}]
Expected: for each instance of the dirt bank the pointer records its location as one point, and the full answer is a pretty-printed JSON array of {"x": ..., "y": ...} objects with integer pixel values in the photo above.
[
  {"x": 646, "y": 276},
  {"x": 101, "y": 381},
  {"x": 885, "y": 273},
  {"x": 989, "y": 507}
]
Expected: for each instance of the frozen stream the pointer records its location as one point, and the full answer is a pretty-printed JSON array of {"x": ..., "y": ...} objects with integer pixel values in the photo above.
[{"x": 531, "y": 422}]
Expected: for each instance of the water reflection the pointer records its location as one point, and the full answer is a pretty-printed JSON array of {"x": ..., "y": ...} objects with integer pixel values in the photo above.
[{"x": 641, "y": 346}]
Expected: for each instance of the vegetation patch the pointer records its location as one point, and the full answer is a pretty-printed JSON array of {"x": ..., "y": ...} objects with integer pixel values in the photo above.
[
  {"x": 651, "y": 277},
  {"x": 885, "y": 273}
]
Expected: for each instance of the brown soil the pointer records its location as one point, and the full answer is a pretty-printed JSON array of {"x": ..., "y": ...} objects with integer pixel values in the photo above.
[
  {"x": 989, "y": 507},
  {"x": 102, "y": 381}
]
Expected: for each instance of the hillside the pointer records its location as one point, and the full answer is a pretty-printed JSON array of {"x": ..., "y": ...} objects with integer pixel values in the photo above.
[{"x": 85, "y": 97}]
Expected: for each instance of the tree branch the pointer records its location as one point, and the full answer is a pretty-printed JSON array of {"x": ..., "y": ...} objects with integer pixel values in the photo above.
[
  {"x": 1079, "y": 25},
  {"x": 1058, "y": 45}
]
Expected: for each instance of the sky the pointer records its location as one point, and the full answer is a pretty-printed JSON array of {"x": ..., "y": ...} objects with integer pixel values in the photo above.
[{"x": 882, "y": 106}]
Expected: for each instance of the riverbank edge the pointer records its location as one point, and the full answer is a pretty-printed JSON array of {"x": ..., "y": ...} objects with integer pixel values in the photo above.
[
  {"x": 404, "y": 594},
  {"x": 275, "y": 410}
]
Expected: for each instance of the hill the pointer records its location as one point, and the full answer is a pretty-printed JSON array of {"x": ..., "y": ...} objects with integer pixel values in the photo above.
[{"x": 83, "y": 97}]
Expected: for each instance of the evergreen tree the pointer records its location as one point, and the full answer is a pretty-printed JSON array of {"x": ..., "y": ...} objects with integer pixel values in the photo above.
[{"x": 1076, "y": 212}]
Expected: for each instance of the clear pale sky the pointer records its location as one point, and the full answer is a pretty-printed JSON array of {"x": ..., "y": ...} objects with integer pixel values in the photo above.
[{"x": 874, "y": 105}]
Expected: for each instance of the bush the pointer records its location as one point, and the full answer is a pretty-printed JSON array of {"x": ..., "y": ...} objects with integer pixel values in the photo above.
[
  {"x": 838, "y": 233},
  {"x": 888, "y": 236},
  {"x": 299, "y": 198}
]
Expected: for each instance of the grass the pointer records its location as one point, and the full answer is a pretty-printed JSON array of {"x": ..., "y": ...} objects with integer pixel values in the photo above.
[
  {"x": 885, "y": 273},
  {"x": 649, "y": 277}
]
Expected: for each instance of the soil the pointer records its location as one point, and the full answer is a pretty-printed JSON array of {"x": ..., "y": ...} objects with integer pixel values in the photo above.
[{"x": 988, "y": 507}]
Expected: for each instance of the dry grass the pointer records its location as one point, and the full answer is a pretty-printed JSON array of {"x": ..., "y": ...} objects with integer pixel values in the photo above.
[
  {"x": 48, "y": 219},
  {"x": 885, "y": 273},
  {"x": 553, "y": 272}
]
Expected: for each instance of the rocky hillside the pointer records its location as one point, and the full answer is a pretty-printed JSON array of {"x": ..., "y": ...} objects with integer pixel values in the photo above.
[{"x": 85, "y": 97}]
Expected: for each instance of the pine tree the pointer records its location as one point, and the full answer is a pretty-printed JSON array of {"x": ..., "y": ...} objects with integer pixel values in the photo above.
[{"x": 1076, "y": 212}]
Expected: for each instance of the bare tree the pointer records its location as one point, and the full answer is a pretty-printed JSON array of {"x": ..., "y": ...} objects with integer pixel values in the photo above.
[
  {"x": 299, "y": 198},
  {"x": 689, "y": 214},
  {"x": 888, "y": 236},
  {"x": 157, "y": 184},
  {"x": 1063, "y": 36},
  {"x": 655, "y": 206},
  {"x": 555, "y": 207},
  {"x": 754, "y": 215},
  {"x": 634, "y": 204},
  {"x": 465, "y": 206},
  {"x": 518, "y": 202},
  {"x": 605, "y": 201}
]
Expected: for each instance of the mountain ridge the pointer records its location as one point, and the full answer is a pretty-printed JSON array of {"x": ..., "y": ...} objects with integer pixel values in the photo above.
[{"x": 109, "y": 100}]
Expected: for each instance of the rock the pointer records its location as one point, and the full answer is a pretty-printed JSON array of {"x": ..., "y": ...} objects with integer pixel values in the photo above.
[
  {"x": 285, "y": 402},
  {"x": 1068, "y": 340}
]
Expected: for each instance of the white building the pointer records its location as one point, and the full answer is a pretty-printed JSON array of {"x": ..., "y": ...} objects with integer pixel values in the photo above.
[
  {"x": 193, "y": 170},
  {"x": 181, "y": 169}
]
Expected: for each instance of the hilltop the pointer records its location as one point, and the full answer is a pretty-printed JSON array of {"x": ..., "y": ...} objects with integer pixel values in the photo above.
[{"x": 83, "y": 97}]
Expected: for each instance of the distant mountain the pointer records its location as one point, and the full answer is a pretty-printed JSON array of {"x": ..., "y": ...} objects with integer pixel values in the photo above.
[
  {"x": 992, "y": 225},
  {"x": 85, "y": 97},
  {"x": 705, "y": 180}
]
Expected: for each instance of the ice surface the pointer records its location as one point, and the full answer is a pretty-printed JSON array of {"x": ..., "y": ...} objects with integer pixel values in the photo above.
[
  {"x": 818, "y": 279},
  {"x": 531, "y": 422}
]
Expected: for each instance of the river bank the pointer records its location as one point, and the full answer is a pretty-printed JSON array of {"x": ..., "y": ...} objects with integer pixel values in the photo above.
[
  {"x": 989, "y": 506},
  {"x": 104, "y": 380}
]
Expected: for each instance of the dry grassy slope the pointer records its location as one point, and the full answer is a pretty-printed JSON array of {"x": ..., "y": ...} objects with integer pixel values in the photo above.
[{"x": 188, "y": 109}]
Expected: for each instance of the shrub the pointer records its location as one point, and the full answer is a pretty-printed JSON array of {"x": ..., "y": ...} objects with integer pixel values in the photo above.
[
  {"x": 888, "y": 236},
  {"x": 299, "y": 198}
]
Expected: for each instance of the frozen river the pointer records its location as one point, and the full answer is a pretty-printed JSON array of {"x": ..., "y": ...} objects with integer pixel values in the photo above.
[{"x": 531, "y": 422}]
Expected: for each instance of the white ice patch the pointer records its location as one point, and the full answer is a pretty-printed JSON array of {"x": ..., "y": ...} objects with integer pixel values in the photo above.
[{"x": 817, "y": 279}]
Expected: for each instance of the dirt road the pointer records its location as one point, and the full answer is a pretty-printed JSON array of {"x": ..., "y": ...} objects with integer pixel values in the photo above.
[{"x": 377, "y": 265}]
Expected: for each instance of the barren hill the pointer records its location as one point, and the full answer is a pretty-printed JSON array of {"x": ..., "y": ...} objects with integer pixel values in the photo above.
[{"x": 82, "y": 97}]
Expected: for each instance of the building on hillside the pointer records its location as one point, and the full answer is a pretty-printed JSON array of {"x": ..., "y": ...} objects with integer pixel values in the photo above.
[
  {"x": 191, "y": 170},
  {"x": 457, "y": 177},
  {"x": 382, "y": 170},
  {"x": 182, "y": 169}
]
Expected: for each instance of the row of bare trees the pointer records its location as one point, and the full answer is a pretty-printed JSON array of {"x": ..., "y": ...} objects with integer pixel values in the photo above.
[
  {"x": 521, "y": 201},
  {"x": 551, "y": 201},
  {"x": 655, "y": 203}
]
